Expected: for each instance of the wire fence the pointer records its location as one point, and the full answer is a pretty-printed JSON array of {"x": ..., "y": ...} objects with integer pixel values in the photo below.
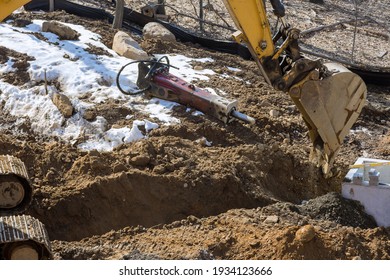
[{"x": 353, "y": 30}]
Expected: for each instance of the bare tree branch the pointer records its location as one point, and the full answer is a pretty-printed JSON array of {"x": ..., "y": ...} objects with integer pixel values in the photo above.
[
  {"x": 322, "y": 27},
  {"x": 196, "y": 18}
]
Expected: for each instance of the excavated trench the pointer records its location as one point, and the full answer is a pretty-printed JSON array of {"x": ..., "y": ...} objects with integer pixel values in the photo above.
[
  {"x": 130, "y": 199},
  {"x": 256, "y": 177}
]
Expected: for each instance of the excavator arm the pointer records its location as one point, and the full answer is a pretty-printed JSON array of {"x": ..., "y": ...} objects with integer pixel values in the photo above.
[{"x": 329, "y": 96}]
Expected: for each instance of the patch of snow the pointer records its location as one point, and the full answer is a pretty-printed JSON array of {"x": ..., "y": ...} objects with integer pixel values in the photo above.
[
  {"x": 87, "y": 80},
  {"x": 233, "y": 69},
  {"x": 150, "y": 125},
  {"x": 7, "y": 67},
  {"x": 203, "y": 60},
  {"x": 117, "y": 136},
  {"x": 185, "y": 71},
  {"x": 161, "y": 110},
  {"x": 194, "y": 112},
  {"x": 197, "y": 113},
  {"x": 203, "y": 141},
  {"x": 220, "y": 92},
  {"x": 361, "y": 129}
]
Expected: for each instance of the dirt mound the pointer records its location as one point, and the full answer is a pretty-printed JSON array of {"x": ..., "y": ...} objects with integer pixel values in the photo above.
[
  {"x": 330, "y": 207},
  {"x": 18, "y": 61},
  {"x": 333, "y": 207},
  {"x": 270, "y": 232}
]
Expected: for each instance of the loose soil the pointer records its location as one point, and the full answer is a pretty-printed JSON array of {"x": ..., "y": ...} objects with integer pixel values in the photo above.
[{"x": 170, "y": 196}]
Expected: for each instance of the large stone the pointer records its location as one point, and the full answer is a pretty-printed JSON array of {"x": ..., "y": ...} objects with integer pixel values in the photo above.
[
  {"x": 305, "y": 234},
  {"x": 139, "y": 160},
  {"x": 90, "y": 114},
  {"x": 63, "y": 104},
  {"x": 154, "y": 30},
  {"x": 62, "y": 31},
  {"x": 126, "y": 46},
  {"x": 274, "y": 113},
  {"x": 271, "y": 220}
]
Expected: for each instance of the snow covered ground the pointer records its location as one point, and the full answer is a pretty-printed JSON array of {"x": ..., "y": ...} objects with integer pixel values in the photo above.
[{"x": 80, "y": 74}]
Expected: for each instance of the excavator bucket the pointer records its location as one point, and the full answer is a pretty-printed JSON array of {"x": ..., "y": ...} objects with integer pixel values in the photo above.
[{"x": 330, "y": 107}]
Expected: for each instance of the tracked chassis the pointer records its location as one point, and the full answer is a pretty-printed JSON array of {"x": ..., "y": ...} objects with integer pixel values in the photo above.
[
  {"x": 21, "y": 236},
  {"x": 15, "y": 188}
]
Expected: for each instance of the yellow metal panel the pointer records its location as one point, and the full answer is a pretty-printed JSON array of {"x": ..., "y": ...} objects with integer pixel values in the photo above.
[
  {"x": 8, "y": 6},
  {"x": 250, "y": 17}
]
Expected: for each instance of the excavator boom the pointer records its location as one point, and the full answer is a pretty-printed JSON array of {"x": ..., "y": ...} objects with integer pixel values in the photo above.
[{"x": 329, "y": 96}]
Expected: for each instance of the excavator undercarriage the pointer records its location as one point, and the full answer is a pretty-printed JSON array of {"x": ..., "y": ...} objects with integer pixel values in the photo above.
[
  {"x": 15, "y": 189},
  {"x": 21, "y": 236}
]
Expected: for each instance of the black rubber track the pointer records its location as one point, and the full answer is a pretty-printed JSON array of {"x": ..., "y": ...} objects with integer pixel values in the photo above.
[
  {"x": 131, "y": 17},
  {"x": 133, "y": 20},
  {"x": 373, "y": 77}
]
